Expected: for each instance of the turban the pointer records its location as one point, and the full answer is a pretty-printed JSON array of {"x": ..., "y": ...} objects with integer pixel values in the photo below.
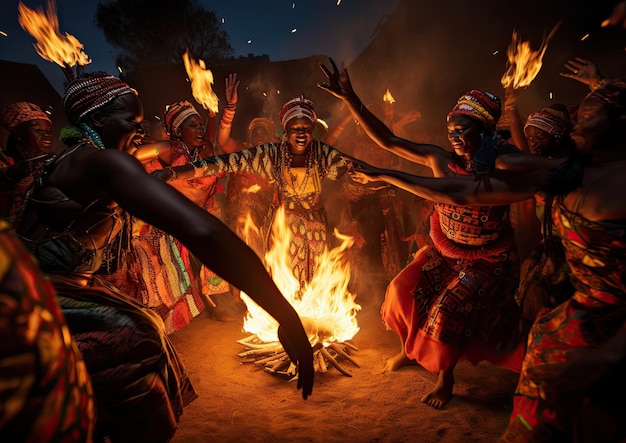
[
  {"x": 297, "y": 107},
  {"x": 554, "y": 120},
  {"x": 17, "y": 113},
  {"x": 90, "y": 92},
  {"x": 265, "y": 123},
  {"x": 482, "y": 106},
  {"x": 175, "y": 115}
]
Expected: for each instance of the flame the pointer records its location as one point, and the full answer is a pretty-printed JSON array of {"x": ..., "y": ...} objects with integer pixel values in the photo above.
[
  {"x": 201, "y": 83},
  {"x": 388, "y": 98},
  {"x": 524, "y": 63},
  {"x": 65, "y": 51},
  {"x": 326, "y": 306}
]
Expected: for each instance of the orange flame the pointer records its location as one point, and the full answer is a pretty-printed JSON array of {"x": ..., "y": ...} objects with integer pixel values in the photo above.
[
  {"x": 524, "y": 63},
  {"x": 388, "y": 97},
  {"x": 65, "y": 51},
  {"x": 326, "y": 306},
  {"x": 201, "y": 83}
]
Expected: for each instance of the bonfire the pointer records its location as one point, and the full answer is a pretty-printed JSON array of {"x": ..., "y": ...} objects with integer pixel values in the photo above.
[{"x": 325, "y": 305}]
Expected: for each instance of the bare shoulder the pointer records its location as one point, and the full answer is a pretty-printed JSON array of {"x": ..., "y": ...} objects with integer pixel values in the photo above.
[{"x": 522, "y": 161}]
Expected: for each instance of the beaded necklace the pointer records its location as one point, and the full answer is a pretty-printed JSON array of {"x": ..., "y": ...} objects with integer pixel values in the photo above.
[
  {"x": 92, "y": 136},
  {"x": 286, "y": 166}
]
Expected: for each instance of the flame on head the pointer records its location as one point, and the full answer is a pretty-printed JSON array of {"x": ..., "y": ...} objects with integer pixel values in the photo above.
[
  {"x": 325, "y": 306},
  {"x": 388, "y": 98},
  {"x": 524, "y": 63},
  {"x": 51, "y": 45},
  {"x": 201, "y": 82}
]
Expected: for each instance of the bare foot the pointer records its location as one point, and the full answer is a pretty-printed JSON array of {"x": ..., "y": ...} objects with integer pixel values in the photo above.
[
  {"x": 397, "y": 361},
  {"x": 442, "y": 392}
]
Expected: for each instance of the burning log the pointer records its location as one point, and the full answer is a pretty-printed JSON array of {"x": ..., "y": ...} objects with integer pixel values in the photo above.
[{"x": 274, "y": 358}]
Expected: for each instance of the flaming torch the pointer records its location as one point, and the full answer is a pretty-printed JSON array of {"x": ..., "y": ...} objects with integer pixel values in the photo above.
[
  {"x": 325, "y": 305},
  {"x": 201, "y": 83},
  {"x": 524, "y": 63},
  {"x": 66, "y": 51}
]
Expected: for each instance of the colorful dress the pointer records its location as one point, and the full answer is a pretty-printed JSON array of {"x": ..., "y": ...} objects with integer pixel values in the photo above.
[
  {"x": 139, "y": 383},
  {"x": 298, "y": 191},
  {"x": 455, "y": 300},
  {"x": 165, "y": 276},
  {"x": 45, "y": 391},
  {"x": 595, "y": 253}
]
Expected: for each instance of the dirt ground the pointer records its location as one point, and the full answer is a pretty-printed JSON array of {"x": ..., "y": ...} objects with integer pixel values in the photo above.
[{"x": 240, "y": 402}]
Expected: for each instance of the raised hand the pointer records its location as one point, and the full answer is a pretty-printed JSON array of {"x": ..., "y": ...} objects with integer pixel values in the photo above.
[
  {"x": 300, "y": 352},
  {"x": 339, "y": 83},
  {"x": 582, "y": 70},
  {"x": 232, "y": 84}
]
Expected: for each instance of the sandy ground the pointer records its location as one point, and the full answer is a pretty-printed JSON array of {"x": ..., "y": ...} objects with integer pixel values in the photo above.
[{"x": 239, "y": 402}]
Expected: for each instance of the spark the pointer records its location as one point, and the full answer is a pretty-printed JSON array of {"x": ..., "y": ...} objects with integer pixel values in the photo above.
[
  {"x": 249, "y": 41},
  {"x": 119, "y": 68},
  {"x": 584, "y": 37},
  {"x": 223, "y": 20},
  {"x": 551, "y": 96},
  {"x": 4, "y": 34},
  {"x": 293, "y": 30},
  {"x": 338, "y": 2},
  {"x": 293, "y": 5},
  {"x": 495, "y": 53}
]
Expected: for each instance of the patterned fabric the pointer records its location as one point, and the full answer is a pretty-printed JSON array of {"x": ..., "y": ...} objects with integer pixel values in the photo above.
[
  {"x": 167, "y": 279},
  {"x": 298, "y": 190},
  {"x": 134, "y": 369},
  {"x": 455, "y": 299},
  {"x": 45, "y": 391},
  {"x": 482, "y": 106},
  {"x": 17, "y": 113},
  {"x": 554, "y": 120},
  {"x": 595, "y": 252},
  {"x": 175, "y": 115},
  {"x": 90, "y": 92}
]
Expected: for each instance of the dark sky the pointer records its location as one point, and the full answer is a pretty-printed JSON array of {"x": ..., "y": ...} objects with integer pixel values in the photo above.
[{"x": 254, "y": 27}]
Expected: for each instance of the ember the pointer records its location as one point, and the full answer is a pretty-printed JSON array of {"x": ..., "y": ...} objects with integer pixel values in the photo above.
[{"x": 325, "y": 305}]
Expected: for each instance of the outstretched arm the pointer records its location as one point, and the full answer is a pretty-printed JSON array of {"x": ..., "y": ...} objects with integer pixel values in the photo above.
[
  {"x": 340, "y": 86},
  {"x": 503, "y": 187},
  {"x": 206, "y": 237}
]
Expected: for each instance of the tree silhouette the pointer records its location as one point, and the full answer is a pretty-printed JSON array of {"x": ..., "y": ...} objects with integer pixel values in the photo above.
[{"x": 149, "y": 32}]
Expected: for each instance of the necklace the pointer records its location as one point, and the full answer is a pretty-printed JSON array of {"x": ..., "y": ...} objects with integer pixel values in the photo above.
[
  {"x": 195, "y": 156},
  {"x": 287, "y": 160},
  {"x": 92, "y": 136}
]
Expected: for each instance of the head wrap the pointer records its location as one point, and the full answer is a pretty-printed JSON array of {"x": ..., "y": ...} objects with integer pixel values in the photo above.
[
  {"x": 265, "y": 123},
  {"x": 482, "y": 106},
  {"x": 176, "y": 114},
  {"x": 297, "y": 107},
  {"x": 17, "y": 113},
  {"x": 90, "y": 92},
  {"x": 554, "y": 120}
]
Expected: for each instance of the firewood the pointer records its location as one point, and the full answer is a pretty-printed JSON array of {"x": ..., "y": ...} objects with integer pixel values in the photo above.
[{"x": 333, "y": 362}]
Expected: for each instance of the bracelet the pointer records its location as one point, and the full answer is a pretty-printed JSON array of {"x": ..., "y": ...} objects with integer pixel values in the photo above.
[
  {"x": 231, "y": 106},
  {"x": 597, "y": 83}
]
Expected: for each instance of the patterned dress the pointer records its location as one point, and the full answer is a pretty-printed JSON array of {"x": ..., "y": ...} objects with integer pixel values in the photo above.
[
  {"x": 45, "y": 391},
  {"x": 595, "y": 253},
  {"x": 298, "y": 191},
  {"x": 140, "y": 385},
  {"x": 455, "y": 300},
  {"x": 161, "y": 271}
]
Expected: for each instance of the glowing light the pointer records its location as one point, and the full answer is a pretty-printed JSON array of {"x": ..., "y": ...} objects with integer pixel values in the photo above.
[
  {"x": 551, "y": 96},
  {"x": 223, "y": 20},
  {"x": 201, "y": 83},
  {"x": 325, "y": 305},
  {"x": 293, "y": 30},
  {"x": 65, "y": 51},
  {"x": 249, "y": 41},
  {"x": 524, "y": 63},
  {"x": 119, "y": 68},
  {"x": 496, "y": 52},
  {"x": 388, "y": 98},
  {"x": 584, "y": 37},
  {"x": 338, "y": 2},
  {"x": 4, "y": 34},
  {"x": 293, "y": 5}
]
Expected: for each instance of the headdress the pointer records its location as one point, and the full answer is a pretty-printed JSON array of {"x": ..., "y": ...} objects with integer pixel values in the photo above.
[
  {"x": 176, "y": 114},
  {"x": 482, "y": 106},
  {"x": 265, "y": 123},
  {"x": 554, "y": 120},
  {"x": 297, "y": 107},
  {"x": 17, "y": 113},
  {"x": 90, "y": 92}
]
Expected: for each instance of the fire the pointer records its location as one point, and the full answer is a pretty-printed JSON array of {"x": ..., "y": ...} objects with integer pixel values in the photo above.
[
  {"x": 388, "y": 98},
  {"x": 326, "y": 306},
  {"x": 524, "y": 63},
  {"x": 201, "y": 82},
  {"x": 65, "y": 51}
]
